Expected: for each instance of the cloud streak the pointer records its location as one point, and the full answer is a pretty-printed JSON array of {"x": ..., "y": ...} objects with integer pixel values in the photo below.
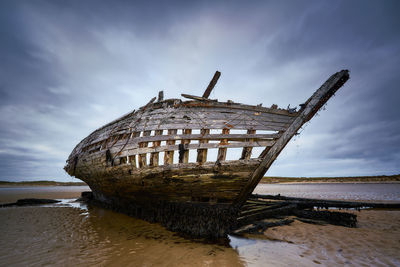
[{"x": 70, "y": 67}]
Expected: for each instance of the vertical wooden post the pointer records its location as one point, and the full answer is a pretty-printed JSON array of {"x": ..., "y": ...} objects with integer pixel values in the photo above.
[
  {"x": 154, "y": 158},
  {"x": 202, "y": 153},
  {"x": 169, "y": 155},
  {"x": 246, "y": 152},
  {"x": 222, "y": 150},
  {"x": 185, "y": 158},
  {"x": 160, "y": 96},
  {"x": 142, "y": 157},
  {"x": 132, "y": 158}
]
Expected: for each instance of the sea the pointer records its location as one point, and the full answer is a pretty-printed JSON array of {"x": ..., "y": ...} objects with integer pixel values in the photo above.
[{"x": 71, "y": 233}]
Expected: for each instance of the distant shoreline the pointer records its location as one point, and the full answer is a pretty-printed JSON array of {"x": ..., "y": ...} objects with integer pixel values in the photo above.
[
  {"x": 40, "y": 183},
  {"x": 265, "y": 180},
  {"x": 313, "y": 180}
]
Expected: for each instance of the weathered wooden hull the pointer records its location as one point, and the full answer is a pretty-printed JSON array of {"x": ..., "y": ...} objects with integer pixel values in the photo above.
[{"x": 123, "y": 165}]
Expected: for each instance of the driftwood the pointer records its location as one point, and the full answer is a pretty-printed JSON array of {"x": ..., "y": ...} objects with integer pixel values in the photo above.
[
  {"x": 333, "y": 217},
  {"x": 260, "y": 226},
  {"x": 263, "y": 211},
  {"x": 321, "y": 203}
]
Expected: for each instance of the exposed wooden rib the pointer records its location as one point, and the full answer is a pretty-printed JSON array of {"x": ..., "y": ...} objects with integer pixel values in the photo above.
[
  {"x": 202, "y": 153},
  {"x": 154, "y": 158},
  {"x": 313, "y": 104},
  {"x": 222, "y": 150},
  {"x": 160, "y": 96},
  {"x": 132, "y": 158},
  {"x": 169, "y": 154},
  {"x": 246, "y": 152},
  {"x": 185, "y": 142},
  {"x": 142, "y": 157}
]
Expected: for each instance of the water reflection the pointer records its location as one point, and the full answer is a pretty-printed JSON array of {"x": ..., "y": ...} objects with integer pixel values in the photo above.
[
  {"x": 72, "y": 233},
  {"x": 344, "y": 191},
  {"x": 90, "y": 235}
]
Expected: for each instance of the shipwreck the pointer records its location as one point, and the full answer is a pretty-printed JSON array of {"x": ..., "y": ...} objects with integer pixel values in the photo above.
[{"x": 139, "y": 164}]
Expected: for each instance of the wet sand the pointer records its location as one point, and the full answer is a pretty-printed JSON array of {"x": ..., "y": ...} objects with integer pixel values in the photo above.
[{"x": 71, "y": 234}]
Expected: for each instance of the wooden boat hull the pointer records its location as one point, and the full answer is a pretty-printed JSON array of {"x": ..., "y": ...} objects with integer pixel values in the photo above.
[{"x": 122, "y": 162}]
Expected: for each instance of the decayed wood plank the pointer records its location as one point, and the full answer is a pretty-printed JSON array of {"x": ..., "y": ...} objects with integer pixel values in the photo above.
[
  {"x": 246, "y": 152},
  {"x": 169, "y": 154},
  {"x": 313, "y": 104},
  {"x": 222, "y": 150},
  {"x": 229, "y": 137},
  {"x": 130, "y": 119},
  {"x": 322, "y": 203},
  {"x": 160, "y": 96},
  {"x": 236, "y": 124},
  {"x": 197, "y": 116},
  {"x": 185, "y": 142},
  {"x": 132, "y": 158},
  {"x": 191, "y": 104},
  {"x": 217, "y": 113},
  {"x": 202, "y": 153},
  {"x": 142, "y": 157},
  {"x": 193, "y": 116},
  {"x": 154, "y": 158},
  {"x": 212, "y": 84},
  {"x": 198, "y": 98},
  {"x": 223, "y": 115},
  {"x": 134, "y": 149}
]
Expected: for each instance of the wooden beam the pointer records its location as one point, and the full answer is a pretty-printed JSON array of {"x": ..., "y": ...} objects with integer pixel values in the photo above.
[
  {"x": 313, "y": 104},
  {"x": 198, "y": 98},
  {"x": 154, "y": 158},
  {"x": 185, "y": 142},
  {"x": 135, "y": 149},
  {"x": 246, "y": 152},
  {"x": 229, "y": 137},
  {"x": 202, "y": 153},
  {"x": 132, "y": 158},
  {"x": 222, "y": 151},
  {"x": 160, "y": 96},
  {"x": 212, "y": 84},
  {"x": 142, "y": 157},
  {"x": 169, "y": 155}
]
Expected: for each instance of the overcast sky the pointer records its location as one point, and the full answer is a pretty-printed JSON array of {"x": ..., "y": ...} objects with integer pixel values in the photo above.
[{"x": 68, "y": 67}]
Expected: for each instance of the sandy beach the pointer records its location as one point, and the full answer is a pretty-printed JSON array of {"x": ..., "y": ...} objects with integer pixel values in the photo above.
[
  {"x": 375, "y": 242},
  {"x": 71, "y": 234}
]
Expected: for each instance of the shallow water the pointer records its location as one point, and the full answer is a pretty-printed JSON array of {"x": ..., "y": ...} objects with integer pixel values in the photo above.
[
  {"x": 72, "y": 234},
  {"x": 357, "y": 191}
]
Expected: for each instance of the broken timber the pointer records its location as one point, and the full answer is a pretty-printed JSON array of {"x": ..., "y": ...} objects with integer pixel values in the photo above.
[
  {"x": 140, "y": 163},
  {"x": 264, "y": 211}
]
